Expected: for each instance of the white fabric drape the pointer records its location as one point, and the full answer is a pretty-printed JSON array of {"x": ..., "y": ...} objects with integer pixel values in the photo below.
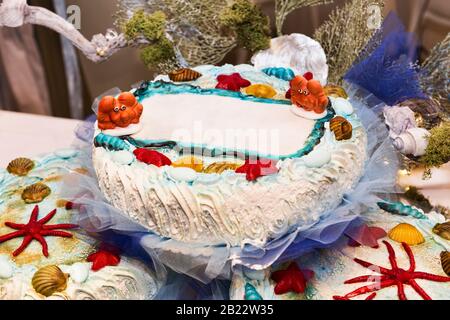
[{"x": 22, "y": 73}]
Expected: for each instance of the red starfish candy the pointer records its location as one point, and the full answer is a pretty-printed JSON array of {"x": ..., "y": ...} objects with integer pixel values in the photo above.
[
  {"x": 365, "y": 235},
  {"x": 233, "y": 82},
  {"x": 257, "y": 168},
  {"x": 392, "y": 277},
  {"x": 291, "y": 280},
  {"x": 105, "y": 256},
  {"x": 152, "y": 157},
  {"x": 36, "y": 230}
]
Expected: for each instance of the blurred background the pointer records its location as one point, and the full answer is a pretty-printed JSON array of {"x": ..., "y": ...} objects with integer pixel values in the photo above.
[{"x": 32, "y": 71}]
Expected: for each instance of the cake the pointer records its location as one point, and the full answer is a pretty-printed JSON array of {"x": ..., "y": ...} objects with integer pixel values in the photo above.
[
  {"x": 55, "y": 259},
  {"x": 327, "y": 274},
  {"x": 228, "y": 154}
]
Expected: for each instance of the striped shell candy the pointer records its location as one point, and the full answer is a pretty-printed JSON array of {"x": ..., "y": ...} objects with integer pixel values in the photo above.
[
  {"x": 333, "y": 90},
  {"x": 35, "y": 193},
  {"x": 190, "y": 162},
  {"x": 261, "y": 91},
  {"x": 20, "y": 166},
  {"x": 184, "y": 74},
  {"x": 220, "y": 167},
  {"x": 445, "y": 261},
  {"x": 443, "y": 230},
  {"x": 341, "y": 127},
  {"x": 251, "y": 293},
  {"x": 48, "y": 280},
  {"x": 285, "y": 74},
  {"x": 407, "y": 233}
]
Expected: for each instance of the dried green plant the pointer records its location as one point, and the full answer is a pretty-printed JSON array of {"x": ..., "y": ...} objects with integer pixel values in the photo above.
[
  {"x": 284, "y": 7},
  {"x": 149, "y": 29},
  {"x": 437, "y": 152},
  {"x": 435, "y": 75},
  {"x": 250, "y": 24},
  {"x": 345, "y": 34}
]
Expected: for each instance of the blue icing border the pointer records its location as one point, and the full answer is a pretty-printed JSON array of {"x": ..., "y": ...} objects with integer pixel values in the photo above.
[{"x": 149, "y": 89}]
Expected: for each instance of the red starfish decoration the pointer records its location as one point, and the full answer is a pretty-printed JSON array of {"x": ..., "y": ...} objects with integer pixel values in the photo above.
[
  {"x": 37, "y": 230},
  {"x": 392, "y": 277},
  {"x": 365, "y": 235},
  {"x": 233, "y": 82},
  {"x": 291, "y": 280},
  {"x": 257, "y": 168},
  {"x": 152, "y": 157},
  {"x": 105, "y": 256}
]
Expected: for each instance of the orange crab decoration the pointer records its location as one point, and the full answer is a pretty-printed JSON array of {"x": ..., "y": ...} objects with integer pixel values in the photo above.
[
  {"x": 120, "y": 112},
  {"x": 308, "y": 94}
]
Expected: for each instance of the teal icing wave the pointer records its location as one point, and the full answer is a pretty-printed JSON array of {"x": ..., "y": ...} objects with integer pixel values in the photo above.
[
  {"x": 150, "y": 89},
  {"x": 110, "y": 142}
]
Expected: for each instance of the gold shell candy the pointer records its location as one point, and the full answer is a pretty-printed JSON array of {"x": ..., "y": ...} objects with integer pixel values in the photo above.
[
  {"x": 183, "y": 75},
  {"x": 220, "y": 167},
  {"x": 20, "y": 166},
  {"x": 442, "y": 230},
  {"x": 404, "y": 232},
  {"x": 445, "y": 261},
  {"x": 189, "y": 162},
  {"x": 341, "y": 127},
  {"x": 48, "y": 280},
  {"x": 333, "y": 90},
  {"x": 35, "y": 193},
  {"x": 261, "y": 91}
]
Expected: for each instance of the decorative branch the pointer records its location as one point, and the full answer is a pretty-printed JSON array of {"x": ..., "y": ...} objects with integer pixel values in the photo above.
[
  {"x": 15, "y": 13},
  {"x": 193, "y": 27},
  {"x": 345, "y": 34},
  {"x": 435, "y": 74},
  {"x": 284, "y": 7}
]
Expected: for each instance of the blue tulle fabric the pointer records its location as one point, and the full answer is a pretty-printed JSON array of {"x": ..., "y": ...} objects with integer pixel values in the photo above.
[
  {"x": 209, "y": 264},
  {"x": 386, "y": 66}
]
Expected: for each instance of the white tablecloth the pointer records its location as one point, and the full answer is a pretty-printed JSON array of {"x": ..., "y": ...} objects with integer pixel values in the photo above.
[{"x": 26, "y": 135}]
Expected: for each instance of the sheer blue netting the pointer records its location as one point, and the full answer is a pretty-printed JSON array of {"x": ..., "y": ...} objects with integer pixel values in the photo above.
[{"x": 387, "y": 66}]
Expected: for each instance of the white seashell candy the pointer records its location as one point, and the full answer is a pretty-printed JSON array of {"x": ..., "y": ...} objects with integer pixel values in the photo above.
[
  {"x": 66, "y": 153},
  {"x": 79, "y": 272},
  {"x": 123, "y": 157},
  {"x": 6, "y": 268},
  {"x": 413, "y": 141},
  {"x": 182, "y": 174},
  {"x": 207, "y": 179},
  {"x": 342, "y": 106},
  {"x": 317, "y": 158},
  {"x": 399, "y": 119},
  {"x": 296, "y": 51}
]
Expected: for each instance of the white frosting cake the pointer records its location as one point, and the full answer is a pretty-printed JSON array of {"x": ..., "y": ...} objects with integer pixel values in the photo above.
[
  {"x": 74, "y": 268},
  {"x": 335, "y": 266},
  {"x": 191, "y": 204}
]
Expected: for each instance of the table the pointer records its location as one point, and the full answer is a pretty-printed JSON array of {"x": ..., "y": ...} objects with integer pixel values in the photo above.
[{"x": 27, "y": 135}]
